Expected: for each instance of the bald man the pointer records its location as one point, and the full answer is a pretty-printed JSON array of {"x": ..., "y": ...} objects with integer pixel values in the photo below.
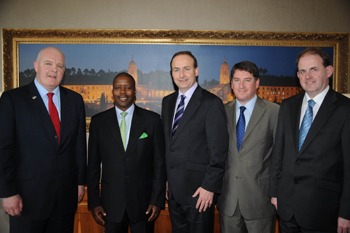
[{"x": 42, "y": 150}]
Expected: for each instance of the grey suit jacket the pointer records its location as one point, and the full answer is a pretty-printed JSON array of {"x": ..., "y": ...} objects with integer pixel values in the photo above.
[{"x": 246, "y": 179}]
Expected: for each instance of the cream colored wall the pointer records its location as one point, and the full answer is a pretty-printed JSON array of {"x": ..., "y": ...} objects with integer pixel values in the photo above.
[{"x": 241, "y": 15}]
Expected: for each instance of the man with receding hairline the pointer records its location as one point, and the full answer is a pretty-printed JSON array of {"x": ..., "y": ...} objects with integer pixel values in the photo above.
[
  {"x": 42, "y": 150},
  {"x": 310, "y": 171},
  {"x": 196, "y": 141}
]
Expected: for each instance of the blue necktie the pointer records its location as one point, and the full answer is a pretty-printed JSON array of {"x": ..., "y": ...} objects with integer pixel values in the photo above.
[
  {"x": 178, "y": 114},
  {"x": 306, "y": 123},
  {"x": 240, "y": 128}
]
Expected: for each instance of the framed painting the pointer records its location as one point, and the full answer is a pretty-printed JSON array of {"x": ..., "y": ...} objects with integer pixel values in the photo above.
[{"x": 95, "y": 57}]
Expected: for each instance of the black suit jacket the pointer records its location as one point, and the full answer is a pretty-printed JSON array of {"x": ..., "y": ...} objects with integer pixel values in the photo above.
[
  {"x": 131, "y": 179},
  {"x": 314, "y": 183},
  {"x": 32, "y": 164},
  {"x": 196, "y": 156}
]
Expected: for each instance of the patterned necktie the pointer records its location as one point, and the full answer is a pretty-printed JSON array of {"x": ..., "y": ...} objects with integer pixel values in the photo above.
[
  {"x": 123, "y": 129},
  {"x": 54, "y": 116},
  {"x": 306, "y": 123},
  {"x": 240, "y": 127},
  {"x": 178, "y": 115}
]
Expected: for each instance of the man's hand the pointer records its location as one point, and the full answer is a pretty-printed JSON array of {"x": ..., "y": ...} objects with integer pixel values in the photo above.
[
  {"x": 274, "y": 201},
  {"x": 155, "y": 212},
  {"x": 343, "y": 225},
  {"x": 96, "y": 214},
  {"x": 81, "y": 191},
  {"x": 13, "y": 205},
  {"x": 205, "y": 199}
]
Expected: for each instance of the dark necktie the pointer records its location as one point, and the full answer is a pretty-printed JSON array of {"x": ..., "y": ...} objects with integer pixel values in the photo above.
[
  {"x": 178, "y": 114},
  {"x": 54, "y": 116},
  {"x": 306, "y": 123},
  {"x": 240, "y": 128}
]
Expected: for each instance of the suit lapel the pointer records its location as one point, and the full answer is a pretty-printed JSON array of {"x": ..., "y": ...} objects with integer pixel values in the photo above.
[
  {"x": 323, "y": 114},
  {"x": 66, "y": 114},
  {"x": 136, "y": 127},
  {"x": 294, "y": 113},
  {"x": 257, "y": 113},
  {"x": 191, "y": 108},
  {"x": 113, "y": 126},
  {"x": 171, "y": 110},
  {"x": 40, "y": 110},
  {"x": 231, "y": 120}
]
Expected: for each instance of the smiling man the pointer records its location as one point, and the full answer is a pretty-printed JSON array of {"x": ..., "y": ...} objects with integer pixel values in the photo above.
[
  {"x": 194, "y": 122},
  {"x": 42, "y": 150},
  {"x": 129, "y": 143},
  {"x": 310, "y": 172},
  {"x": 244, "y": 203}
]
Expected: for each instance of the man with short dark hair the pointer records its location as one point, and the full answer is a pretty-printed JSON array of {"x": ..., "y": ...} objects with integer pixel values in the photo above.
[
  {"x": 196, "y": 142},
  {"x": 129, "y": 143},
  {"x": 310, "y": 171},
  {"x": 244, "y": 203},
  {"x": 42, "y": 150}
]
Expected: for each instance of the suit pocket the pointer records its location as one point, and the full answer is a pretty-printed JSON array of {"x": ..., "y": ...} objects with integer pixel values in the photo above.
[
  {"x": 328, "y": 185},
  {"x": 196, "y": 167},
  {"x": 264, "y": 180}
]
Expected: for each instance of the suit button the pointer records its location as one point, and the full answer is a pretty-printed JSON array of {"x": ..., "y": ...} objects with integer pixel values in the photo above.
[
  {"x": 237, "y": 177},
  {"x": 56, "y": 137},
  {"x": 126, "y": 177},
  {"x": 240, "y": 160}
]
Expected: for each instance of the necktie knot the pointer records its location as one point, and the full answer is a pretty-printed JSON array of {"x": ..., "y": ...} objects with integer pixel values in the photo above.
[
  {"x": 50, "y": 94},
  {"x": 242, "y": 109},
  {"x": 312, "y": 103},
  {"x": 123, "y": 114}
]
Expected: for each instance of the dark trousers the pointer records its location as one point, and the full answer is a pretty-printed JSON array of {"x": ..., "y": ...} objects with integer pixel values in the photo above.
[
  {"x": 122, "y": 227},
  {"x": 187, "y": 219},
  {"x": 292, "y": 226},
  {"x": 54, "y": 224}
]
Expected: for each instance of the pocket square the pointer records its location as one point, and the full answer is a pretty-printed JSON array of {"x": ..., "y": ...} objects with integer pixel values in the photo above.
[{"x": 144, "y": 135}]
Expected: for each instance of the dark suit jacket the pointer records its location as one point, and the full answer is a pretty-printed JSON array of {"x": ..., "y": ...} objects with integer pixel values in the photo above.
[
  {"x": 313, "y": 184},
  {"x": 196, "y": 156},
  {"x": 131, "y": 179},
  {"x": 247, "y": 172},
  {"x": 32, "y": 164}
]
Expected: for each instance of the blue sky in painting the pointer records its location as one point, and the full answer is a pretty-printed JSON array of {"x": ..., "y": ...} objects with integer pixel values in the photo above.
[{"x": 277, "y": 60}]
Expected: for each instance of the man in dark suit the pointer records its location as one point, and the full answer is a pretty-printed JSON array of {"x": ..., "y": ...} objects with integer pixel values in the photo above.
[
  {"x": 42, "y": 150},
  {"x": 131, "y": 150},
  {"x": 196, "y": 141},
  {"x": 244, "y": 203},
  {"x": 310, "y": 171}
]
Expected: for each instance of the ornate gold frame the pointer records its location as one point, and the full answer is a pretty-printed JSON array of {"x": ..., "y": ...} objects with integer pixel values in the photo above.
[{"x": 13, "y": 37}]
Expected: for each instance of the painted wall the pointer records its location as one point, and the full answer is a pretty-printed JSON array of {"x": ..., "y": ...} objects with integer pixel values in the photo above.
[{"x": 240, "y": 15}]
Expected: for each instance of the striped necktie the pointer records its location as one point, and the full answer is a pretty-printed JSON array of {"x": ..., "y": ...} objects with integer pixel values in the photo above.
[{"x": 178, "y": 115}]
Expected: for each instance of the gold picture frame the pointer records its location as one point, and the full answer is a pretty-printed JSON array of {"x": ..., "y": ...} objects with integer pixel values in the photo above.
[{"x": 12, "y": 38}]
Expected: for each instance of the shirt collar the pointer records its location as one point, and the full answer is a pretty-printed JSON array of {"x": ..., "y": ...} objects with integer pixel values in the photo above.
[
  {"x": 318, "y": 98},
  {"x": 43, "y": 92},
  {"x": 130, "y": 110},
  {"x": 250, "y": 105},
  {"x": 189, "y": 92}
]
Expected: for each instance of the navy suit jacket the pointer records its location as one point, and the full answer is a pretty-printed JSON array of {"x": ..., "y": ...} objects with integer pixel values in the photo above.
[
  {"x": 32, "y": 163},
  {"x": 132, "y": 179},
  {"x": 313, "y": 184},
  {"x": 196, "y": 156}
]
